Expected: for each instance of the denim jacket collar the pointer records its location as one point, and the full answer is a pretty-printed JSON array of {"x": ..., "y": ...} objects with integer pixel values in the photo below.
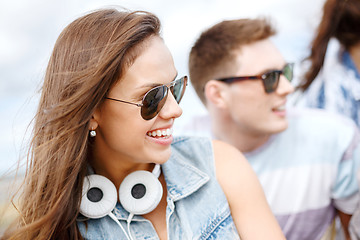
[
  {"x": 180, "y": 184},
  {"x": 186, "y": 180}
]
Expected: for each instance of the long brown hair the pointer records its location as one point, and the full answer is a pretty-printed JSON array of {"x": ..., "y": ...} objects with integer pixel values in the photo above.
[
  {"x": 341, "y": 19},
  {"x": 90, "y": 56}
]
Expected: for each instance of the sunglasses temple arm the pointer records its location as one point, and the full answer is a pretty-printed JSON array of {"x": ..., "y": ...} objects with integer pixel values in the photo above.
[{"x": 136, "y": 104}]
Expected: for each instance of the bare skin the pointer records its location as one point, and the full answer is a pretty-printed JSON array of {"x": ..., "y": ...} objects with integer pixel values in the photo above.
[
  {"x": 158, "y": 216},
  {"x": 355, "y": 55},
  {"x": 345, "y": 220}
]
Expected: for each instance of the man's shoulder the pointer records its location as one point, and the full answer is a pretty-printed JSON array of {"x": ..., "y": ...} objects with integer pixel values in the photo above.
[{"x": 321, "y": 128}]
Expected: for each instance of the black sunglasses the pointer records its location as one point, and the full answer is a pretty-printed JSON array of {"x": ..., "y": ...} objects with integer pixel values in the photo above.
[
  {"x": 270, "y": 79},
  {"x": 155, "y": 98}
]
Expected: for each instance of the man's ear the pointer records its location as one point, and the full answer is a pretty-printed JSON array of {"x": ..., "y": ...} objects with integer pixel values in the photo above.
[{"x": 215, "y": 93}]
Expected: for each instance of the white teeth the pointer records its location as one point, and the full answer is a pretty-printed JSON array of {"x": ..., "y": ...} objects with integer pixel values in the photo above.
[{"x": 160, "y": 133}]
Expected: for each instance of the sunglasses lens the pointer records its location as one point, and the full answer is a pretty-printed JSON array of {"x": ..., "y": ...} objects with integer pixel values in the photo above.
[
  {"x": 271, "y": 81},
  {"x": 288, "y": 71},
  {"x": 153, "y": 102},
  {"x": 178, "y": 89},
  {"x": 155, "y": 99}
]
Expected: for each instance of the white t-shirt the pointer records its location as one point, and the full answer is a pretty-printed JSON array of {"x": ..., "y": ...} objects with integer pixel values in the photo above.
[{"x": 306, "y": 171}]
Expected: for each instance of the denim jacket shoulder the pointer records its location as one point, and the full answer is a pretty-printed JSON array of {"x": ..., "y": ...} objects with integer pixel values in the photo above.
[{"x": 196, "y": 205}]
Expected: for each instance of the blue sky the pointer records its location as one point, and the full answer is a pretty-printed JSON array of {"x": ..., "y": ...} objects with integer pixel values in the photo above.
[{"x": 28, "y": 31}]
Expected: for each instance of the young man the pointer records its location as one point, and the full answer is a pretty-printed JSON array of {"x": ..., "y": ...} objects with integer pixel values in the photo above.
[{"x": 306, "y": 160}]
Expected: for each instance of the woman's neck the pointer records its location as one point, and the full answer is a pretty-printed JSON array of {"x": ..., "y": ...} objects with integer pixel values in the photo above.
[{"x": 116, "y": 169}]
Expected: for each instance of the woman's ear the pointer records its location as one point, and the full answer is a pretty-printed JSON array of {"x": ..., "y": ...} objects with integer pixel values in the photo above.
[
  {"x": 215, "y": 93},
  {"x": 94, "y": 120}
]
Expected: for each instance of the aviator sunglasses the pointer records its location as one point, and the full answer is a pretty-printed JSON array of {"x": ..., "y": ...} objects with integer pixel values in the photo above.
[
  {"x": 154, "y": 100},
  {"x": 270, "y": 79}
]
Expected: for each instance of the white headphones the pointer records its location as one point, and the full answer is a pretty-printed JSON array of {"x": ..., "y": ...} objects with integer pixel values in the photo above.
[{"x": 139, "y": 193}]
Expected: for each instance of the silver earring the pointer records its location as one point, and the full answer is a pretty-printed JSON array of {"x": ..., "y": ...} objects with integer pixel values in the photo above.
[{"x": 92, "y": 133}]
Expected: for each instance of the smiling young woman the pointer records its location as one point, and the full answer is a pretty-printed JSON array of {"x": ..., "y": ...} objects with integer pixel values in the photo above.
[{"x": 103, "y": 163}]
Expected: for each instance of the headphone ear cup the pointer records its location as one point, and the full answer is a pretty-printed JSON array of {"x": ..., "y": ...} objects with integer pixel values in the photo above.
[
  {"x": 140, "y": 192},
  {"x": 99, "y": 196}
]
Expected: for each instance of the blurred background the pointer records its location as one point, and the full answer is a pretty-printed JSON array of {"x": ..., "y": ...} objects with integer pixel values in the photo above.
[{"x": 29, "y": 29}]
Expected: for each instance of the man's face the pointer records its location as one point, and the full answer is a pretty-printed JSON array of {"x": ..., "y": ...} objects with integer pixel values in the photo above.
[{"x": 252, "y": 110}]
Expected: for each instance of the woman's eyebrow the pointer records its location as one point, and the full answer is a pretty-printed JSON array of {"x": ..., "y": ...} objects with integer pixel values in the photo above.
[{"x": 156, "y": 84}]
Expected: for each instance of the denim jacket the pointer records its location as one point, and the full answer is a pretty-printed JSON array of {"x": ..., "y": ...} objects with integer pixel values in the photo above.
[{"x": 196, "y": 205}]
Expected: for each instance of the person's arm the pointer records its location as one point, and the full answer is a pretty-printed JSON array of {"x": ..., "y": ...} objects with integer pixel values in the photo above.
[
  {"x": 348, "y": 179},
  {"x": 345, "y": 220},
  {"x": 249, "y": 208}
]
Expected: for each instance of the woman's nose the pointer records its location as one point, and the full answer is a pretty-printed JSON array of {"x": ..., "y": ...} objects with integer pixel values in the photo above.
[{"x": 171, "y": 108}]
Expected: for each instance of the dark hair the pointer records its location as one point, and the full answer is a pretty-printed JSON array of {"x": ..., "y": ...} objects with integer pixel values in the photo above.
[
  {"x": 212, "y": 53},
  {"x": 90, "y": 56},
  {"x": 341, "y": 19}
]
